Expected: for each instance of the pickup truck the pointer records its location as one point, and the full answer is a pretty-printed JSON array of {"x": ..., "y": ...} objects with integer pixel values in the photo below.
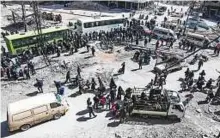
[{"x": 156, "y": 102}]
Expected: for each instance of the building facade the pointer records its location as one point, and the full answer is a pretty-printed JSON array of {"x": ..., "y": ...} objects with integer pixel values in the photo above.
[
  {"x": 126, "y": 4},
  {"x": 211, "y": 9}
]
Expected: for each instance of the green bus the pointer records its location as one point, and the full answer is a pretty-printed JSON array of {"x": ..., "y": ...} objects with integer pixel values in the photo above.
[{"x": 17, "y": 43}]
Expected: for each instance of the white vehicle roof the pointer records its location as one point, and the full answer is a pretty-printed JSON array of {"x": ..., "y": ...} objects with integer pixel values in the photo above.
[
  {"x": 30, "y": 103},
  {"x": 196, "y": 35},
  {"x": 85, "y": 20},
  {"x": 163, "y": 29}
]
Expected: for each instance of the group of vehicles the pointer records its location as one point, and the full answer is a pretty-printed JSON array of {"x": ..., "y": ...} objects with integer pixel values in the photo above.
[
  {"x": 17, "y": 43},
  {"x": 23, "y": 114}
]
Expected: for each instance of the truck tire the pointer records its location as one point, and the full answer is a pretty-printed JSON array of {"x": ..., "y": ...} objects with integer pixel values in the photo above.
[
  {"x": 25, "y": 127},
  {"x": 57, "y": 116}
]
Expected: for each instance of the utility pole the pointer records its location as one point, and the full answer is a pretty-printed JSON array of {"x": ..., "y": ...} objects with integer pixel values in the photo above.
[
  {"x": 39, "y": 30},
  {"x": 13, "y": 16},
  {"x": 190, "y": 10},
  {"x": 23, "y": 16}
]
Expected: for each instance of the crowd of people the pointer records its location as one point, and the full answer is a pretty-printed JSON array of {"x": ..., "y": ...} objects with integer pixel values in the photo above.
[{"x": 112, "y": 96}]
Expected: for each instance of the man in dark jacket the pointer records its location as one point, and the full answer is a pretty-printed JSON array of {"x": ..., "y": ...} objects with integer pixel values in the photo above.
[
  {"x": 200, "y": 64},
  {"x": 67, "y": 76},
  {"x": 39, "y": 85},
  {"x": 89, "y": 105},
  {"x": 140, "y": 63}
]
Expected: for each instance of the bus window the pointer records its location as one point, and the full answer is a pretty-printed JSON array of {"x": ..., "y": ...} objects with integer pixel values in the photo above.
[
  {"x": 88, "y": 25},
  {"x": 107, "y": 22}
]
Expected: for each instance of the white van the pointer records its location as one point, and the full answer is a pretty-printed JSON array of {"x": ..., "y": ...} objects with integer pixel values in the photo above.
[
  {"x": 196, "y": 39},
  {"x": 25, "y": 113},
  {"x": 164, "y": 33}
]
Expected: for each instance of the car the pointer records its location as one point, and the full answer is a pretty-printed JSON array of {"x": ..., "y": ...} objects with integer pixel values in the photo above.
[
  {"x": 144, "y": 29},
  {"x": 162, "y": 9},
  {"x": 177, "y": 14},
  {"x": 159, "y": 13}
]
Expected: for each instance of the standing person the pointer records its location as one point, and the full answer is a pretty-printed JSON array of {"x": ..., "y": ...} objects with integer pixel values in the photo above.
[
  {"x": 58, "y": 85},
  {"x": 171, "y": 44},
  {"x": 120, "y": 91},
  {"x": 157, "y": 44},
  {"x": 31, "y": 66},
  {"x": 67, "y": 76},
  {"x": 39, "y": 85},
  {"x": 145, "y": 42},
  {"x": 200, "y": 64},
  {"x": 93, "y": 84},
  {"x": 96, "y": 101},
  {"x": 8, "y": 73},
  {"x": 26, "y": 72},
  {"x": 155, "y": 79},
  {"x": 93, "y": 51},
  {"x": 61, "y": 90},
  {"x": 112, "y": 84},
  {"x": 87, "y": 46},
  {"x": 187, "y": 74},
  {"x": 140, "y": 63},
  {"x": 123, "y": 68},
  {"x": 78, "y": 71},
  {"x": 89, "y": 106},
  {"x": 112, "y": 95},
  {"x": 108, "y": 102}
]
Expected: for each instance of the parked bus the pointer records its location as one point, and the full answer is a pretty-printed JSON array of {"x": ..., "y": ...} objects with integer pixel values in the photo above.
[
  {"x": 17, "y": 43},
  {"x": 87, "y": 25},
  {"x": 197, "y": 39}
]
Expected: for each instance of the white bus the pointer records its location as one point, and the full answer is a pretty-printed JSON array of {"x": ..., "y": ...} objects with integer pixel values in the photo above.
[
  {"x": 88, "y": 25},
  {"x": 197, "y": 39}
]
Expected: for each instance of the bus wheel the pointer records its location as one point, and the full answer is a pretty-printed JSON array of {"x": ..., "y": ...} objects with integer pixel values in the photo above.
[
  {"x": 57, "y": 116},
  {"x": 25, "y": 127}
]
